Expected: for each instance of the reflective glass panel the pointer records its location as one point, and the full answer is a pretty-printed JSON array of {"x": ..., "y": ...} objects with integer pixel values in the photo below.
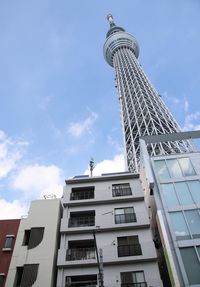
[
  {"x": 194, "y": 187},
  {"x": 191, "y": 264},
  {"x": 169, "y": 195},
  {"x": 193, "y": 220},
  {"x": 174, "y": 168},
  {"x": 161, "y": 169},
  {"x": 183, "y": 193},
  {"x": 179, "y": 225},
  {"x": 186, "y": 166}
]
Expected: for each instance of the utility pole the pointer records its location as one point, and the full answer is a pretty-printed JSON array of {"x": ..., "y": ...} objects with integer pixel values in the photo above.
[
  {"x": 91, "y": 166},
  {"x": 99, "y": 254}
]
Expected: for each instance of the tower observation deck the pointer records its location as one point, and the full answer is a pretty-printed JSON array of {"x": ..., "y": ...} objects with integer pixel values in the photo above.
[{"x": 142, "y": 110}]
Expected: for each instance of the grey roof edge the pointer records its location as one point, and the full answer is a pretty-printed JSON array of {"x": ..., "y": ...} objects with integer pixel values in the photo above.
[
  {"x": 172, "y": 137},
  {"x": 104, "y": 177}
]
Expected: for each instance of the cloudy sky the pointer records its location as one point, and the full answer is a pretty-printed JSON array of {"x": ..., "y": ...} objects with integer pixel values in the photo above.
[{"x": 58, "y": 106}]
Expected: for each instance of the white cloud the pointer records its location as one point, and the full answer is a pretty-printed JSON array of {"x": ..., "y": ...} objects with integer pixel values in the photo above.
[
  {"x": 192, "y": 122},
  {"x": 116, "y": 164},
  {"x": 13, "y": 209},
  {"x": 186, "y": 105},
  {"x": 77, "y": 129},
  {"x": 11, "y": 151},
  {"x": 38, "y": 180}
]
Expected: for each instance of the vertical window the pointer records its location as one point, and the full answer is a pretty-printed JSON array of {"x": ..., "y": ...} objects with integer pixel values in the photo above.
[
  {"x": 191, "y": 264},
  {"x": 170, "y": 195},
  {"x": 186, "y": 166},
  {"x": 9, "y": 242},
  {"x": 128, "y": 246},
  {"x": 26, "y": 275},
  {"x": 179, "y": 225},
  {"x": 33, "y": 237},
  {"x": 135, "y": 279},
  {"x": 175, "y": 170},
  {"x": 161, "y": 169},
  {"x": 194, "y": 187},
  {"x": 193, "y": 220},
  {"x": 124, "y": 215},
  {"x": 183, "y": 193}
]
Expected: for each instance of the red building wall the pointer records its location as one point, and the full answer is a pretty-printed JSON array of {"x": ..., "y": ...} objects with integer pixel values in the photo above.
[{"x": 7, "y": 227}]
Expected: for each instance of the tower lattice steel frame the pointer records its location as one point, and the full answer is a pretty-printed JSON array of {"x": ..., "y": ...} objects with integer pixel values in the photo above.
[{"x": 142, "y": 110}]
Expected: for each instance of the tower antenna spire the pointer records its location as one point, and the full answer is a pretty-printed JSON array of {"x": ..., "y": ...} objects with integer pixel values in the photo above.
[{"x": 110, "y": 20}]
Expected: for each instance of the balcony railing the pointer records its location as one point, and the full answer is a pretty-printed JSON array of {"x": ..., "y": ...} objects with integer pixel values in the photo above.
[
  {"x": 125, "y": 218},
  {"x": 121, "y": 192},
  {"x": 129, "y": 250},
  {"x": 80, "y": 253},
  {"x": 81, "y": 221},
  {"x": 140, "y": 284},
  {"x": 81, "y": 195}
]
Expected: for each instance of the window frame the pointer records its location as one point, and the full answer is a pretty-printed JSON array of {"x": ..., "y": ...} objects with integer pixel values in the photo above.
[{"x": 9, "y": 246}]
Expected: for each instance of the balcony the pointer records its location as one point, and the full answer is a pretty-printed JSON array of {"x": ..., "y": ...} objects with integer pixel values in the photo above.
[
  {"x": 125, "y": 218},
  {"x": 82, "y": 219},
  {"x": 80, "y": 254},
  {"x": 129, "y": 250},
  {"x": 139, "y": 284},
  {"x": 82, "y": 193}
]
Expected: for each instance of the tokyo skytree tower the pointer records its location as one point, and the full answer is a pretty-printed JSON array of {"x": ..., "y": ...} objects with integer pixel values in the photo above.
[{"x": 142, "y": 110}]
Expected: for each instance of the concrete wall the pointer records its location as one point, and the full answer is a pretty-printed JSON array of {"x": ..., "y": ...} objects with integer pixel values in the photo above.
[{"x": 43, "y": 213}]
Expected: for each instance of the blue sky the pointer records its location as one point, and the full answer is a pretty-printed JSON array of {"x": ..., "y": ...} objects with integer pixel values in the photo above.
[{"x": 57, "y": 97}]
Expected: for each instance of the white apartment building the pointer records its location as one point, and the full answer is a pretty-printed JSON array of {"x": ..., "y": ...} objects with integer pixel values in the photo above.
[
  {"x": 34, "y": 257},
  {"x": 105, "y": 219}
]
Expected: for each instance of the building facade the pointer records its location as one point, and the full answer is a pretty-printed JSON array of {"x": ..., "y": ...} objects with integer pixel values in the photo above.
[
  {"x": 142, "y": 110},
  {"x": 8, "y": 234},
  {"x": 105, "y": 236},
  {"x": 172, "y": 190},
  {"x": 34, "y": 257}
]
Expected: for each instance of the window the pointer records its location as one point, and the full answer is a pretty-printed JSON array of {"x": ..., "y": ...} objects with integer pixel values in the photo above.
[
  {"x": 81, "y": 219},
  {"x": 33, "y": 237},
  {"x": 26, "y": 275},
  {"x": 179, "y": 225},
  {"x": 161, "y": 169},
  {"x": 174, "y": 168},
  {"x": 8, "y": 242},
  {"x": 194, "y": 186},
  {"x": 81, "y": 193},
  {"x": 183, "y": 193},
  {"x": 191, "y": 264},
  {"x": 188, "y": 226},
  {"x": 81, "y": 281},
  {"x": 2, "y": 279},
  {"x": 133, "y": 279},
  {"x": 124, "y": 215},
  {"x": 129, "y": 246},
  {"x": 186, "y": 166},
  {"x": 122, "y": 189},
  {"x": 169, "y": 195},
  {"x": 193, "y": 220},
  {"x": 81, "y": 250}
]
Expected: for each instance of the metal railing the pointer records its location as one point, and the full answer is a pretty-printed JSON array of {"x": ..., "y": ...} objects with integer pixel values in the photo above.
[
  {"x": 129, "y": 250},
  {"x": 121, "y": 192},
  {"x": 81, "y": 221},
  {"x": 125, "y": 218},
  {"x": 80, "y": 253},
  {"x": 139, "y": 284},
  {"x": 81, "y": 195}
]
